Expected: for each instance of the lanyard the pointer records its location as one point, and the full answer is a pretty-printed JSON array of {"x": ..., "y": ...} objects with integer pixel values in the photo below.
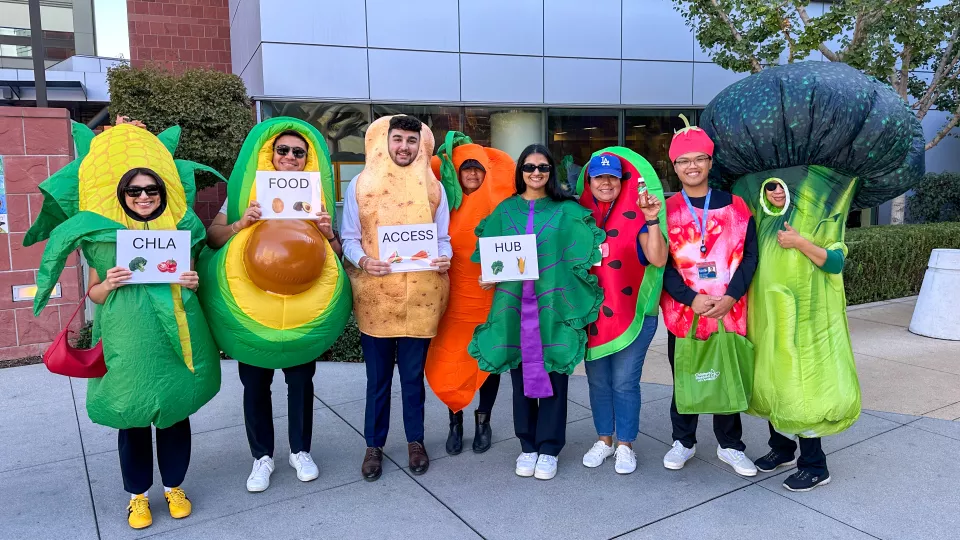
[
  {"x": 702, "y": 225},
  {"x": 609, "y": 211}
]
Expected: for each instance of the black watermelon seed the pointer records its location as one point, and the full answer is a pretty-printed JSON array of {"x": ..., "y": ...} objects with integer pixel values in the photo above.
[
  {"x": 593, "y": 330},
  {"x": 615, "y": 265},
  {"x": 607, "y": 311},
  {"x": 613, "y": 233},
  {"x": 627, "y": 291},
  {"x": 630, "y": 214}
]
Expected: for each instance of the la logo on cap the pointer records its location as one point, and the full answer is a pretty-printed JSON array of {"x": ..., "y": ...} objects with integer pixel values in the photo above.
[{"x": 604, "y": 161}]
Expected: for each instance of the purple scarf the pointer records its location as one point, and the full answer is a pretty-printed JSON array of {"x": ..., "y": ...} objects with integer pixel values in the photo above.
[{"x": 536, "y": 381}]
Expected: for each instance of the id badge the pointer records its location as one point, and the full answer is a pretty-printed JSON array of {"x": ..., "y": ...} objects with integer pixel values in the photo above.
[
  {"x": 707, "y": 270},
  {"x": 604, "y": 253}
]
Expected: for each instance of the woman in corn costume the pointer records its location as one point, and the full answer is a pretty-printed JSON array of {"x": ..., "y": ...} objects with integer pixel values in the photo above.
[{"x": 162, "y": 364}]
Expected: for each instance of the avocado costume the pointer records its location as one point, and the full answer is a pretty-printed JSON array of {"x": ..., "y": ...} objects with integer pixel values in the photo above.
[
  {"x": 836, "y": 139},
  {"x": 162, "y": 364}
]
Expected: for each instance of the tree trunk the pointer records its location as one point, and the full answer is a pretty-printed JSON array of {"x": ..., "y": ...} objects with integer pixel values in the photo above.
[{"x": 898, "y": 210}]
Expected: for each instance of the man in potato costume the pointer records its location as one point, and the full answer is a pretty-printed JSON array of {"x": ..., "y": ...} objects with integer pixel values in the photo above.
[{"x": 397, "y": 313}]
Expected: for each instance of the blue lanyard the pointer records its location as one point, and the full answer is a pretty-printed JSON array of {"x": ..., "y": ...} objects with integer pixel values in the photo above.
[{"x": 702, "y": 225}]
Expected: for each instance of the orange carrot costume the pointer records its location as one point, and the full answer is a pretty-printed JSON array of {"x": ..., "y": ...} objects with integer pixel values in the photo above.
[{"x": 452, "y": 373}]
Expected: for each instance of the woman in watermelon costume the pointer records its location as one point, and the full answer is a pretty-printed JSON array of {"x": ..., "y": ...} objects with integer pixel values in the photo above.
[
  {"x": 162, "y": 364},
  {"x": 536, "y": 328},
  {"x": 281, "y": 296},
  {"x": 713, "y": 256},
  {"x": 624, "y": 194},
  {"x": 820, "y": 138},
  {"x": 476, "y": 180}
]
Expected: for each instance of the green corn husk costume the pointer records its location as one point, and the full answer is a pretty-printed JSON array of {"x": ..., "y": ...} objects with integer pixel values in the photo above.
[
  {"x": 162, "y": 364},
  {"x": 836, "y": 139}
]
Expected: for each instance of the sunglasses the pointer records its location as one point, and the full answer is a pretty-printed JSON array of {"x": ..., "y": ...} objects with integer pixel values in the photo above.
[
  {"x": 530, "y": 167},
  {"x": 772, "y": 186},
  {"x": 283, "y": 150},
  {"x": 700, "y": 161},
  {"x": 135, "y": 191}
]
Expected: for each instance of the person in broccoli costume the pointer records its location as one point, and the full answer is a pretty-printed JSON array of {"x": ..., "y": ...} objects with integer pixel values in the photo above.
[
  {"x": 802, "y": 144},
  {"x": 162, "y": 364}
]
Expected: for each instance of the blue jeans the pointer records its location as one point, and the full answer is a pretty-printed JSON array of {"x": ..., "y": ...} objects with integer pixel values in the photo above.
[{"x": 615, "y": 387}]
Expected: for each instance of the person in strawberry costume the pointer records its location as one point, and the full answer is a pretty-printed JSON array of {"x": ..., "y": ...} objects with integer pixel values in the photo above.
[{"x": 713, "y": 255}]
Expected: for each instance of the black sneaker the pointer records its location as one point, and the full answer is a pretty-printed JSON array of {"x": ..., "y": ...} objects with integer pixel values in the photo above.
[
  {"x": 774, "y": 460},
  {"x": 805, "y": 481}
]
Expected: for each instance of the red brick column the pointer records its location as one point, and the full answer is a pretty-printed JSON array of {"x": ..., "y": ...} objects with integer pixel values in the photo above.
[
  {"x": 179, "y": 34},
  {"x": 34, "y": 143},
  {"x": 209, "y": 201}
]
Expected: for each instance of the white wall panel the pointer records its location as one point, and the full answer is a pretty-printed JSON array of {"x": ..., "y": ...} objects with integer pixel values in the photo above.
[
  {"x": 314, "y": 71},
  {"x": 709, "y": 80},
  {"x": 579, "y": 80},
  {"x": 244, "y": 34},
  {"x": 653, "y": 30},
  {"x": 657, "y": 83},
  {"x": 501, "y": 26},
  {"x": 582, "y": 28},
  {"x": 338, "y": 22},
  {"x": 414, "y": 76},
  {"x": 499, "y": 78},
  {"x": 428, "y": 25}
]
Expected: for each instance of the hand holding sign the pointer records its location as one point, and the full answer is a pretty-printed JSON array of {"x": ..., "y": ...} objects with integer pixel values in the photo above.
[
  {"x": 325, "y": 223},
  {"x": 288, "y": 194}
]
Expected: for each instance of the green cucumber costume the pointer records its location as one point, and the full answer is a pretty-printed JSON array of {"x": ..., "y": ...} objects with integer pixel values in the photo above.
[
  {"x": 836, "y": 139},
  {"x": 162, "y": 364}
]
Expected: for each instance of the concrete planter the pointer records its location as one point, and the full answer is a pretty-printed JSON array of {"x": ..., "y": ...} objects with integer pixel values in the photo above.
[{"x": 935, "y": 314}]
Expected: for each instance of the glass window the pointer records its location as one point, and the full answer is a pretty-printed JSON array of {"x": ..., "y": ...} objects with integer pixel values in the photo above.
[
  {"x": 343, "y": 125},
  {"x": 649, "y": 132},
  {"x": 439, "y": 119},
  {"x": 510, "y": 130},
  {"x": 575, "y": 134}
]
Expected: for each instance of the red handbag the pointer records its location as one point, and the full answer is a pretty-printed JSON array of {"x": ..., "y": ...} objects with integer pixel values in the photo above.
[{"x": 63, "y": 359}]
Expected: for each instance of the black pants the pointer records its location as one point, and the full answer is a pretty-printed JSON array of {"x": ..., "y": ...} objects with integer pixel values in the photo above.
[
  {"x": 488, "y": 393},
  {"x": 540, "y": 424},
  {"x": 812, "y": 459},
  {"x": 136, "y": 456},
  {"x": 380, "y": 355},
  {"x": 258, "y": 407},
  {"x": 727, "y": 427}
]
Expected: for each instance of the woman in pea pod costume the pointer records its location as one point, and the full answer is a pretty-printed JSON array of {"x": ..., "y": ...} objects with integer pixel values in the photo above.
[
  {"x": 536, "y": 329},
  {"x": 162, "y": 364},
  {"x": 802, "y": 144}
]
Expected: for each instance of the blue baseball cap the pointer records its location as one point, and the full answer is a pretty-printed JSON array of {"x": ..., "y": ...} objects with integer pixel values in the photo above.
[{"x": 605, "y": 164}]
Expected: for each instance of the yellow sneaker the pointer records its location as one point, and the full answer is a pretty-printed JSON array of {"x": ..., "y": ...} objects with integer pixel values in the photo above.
[
  {"x": 138, "y": 512},
  {"x": 178, "y": 502}
]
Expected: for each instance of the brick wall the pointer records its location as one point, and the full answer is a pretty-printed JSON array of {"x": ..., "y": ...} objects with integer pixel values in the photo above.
[
  {"x": 209, "y": 201},
  {"x": 34, "y": 143},
  {"x": 180, "y": 33}
]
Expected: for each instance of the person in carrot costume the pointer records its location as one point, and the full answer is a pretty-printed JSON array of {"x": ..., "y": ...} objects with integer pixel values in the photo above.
[{"x": 476, "y": 180}]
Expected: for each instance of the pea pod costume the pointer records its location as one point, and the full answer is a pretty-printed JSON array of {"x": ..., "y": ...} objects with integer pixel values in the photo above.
[
  {"x": 259, "y": 327},
  {"x": 836, "y": 139},
  {"x": 541, "y": 323},
  {"x": 162, "y": 364}
]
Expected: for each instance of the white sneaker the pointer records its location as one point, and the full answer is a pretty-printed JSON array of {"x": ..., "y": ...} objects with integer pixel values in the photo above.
[
  {"x": 626, "y": 460},
  {"x": 526, "y": 463},
  {"x": 546, "y": 467},
  {"x": 738, "y": 460},
  {"x": 307, "y": 470},
  {"x": 597, "y": 454},
  {"x": 259, "y": 479},
  {"x": 678, "y": 456}
]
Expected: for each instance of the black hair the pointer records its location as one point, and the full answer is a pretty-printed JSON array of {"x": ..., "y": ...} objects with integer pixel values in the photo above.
[
  {"x": 125, "y": 183},
  {"x": 554, "y": 190},
  {"x": 292, "y": 133},
  {"x": 405, "y": 123}
]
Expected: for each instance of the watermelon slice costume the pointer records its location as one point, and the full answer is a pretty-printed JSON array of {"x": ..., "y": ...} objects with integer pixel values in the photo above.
[
  {"x": 162, "y": 364},
  {"x": 452, "y": 373},
  {"x": 801, "y": 129},
  {"x": 260, "y": 327},
  {"x": 631, "y": 290}
]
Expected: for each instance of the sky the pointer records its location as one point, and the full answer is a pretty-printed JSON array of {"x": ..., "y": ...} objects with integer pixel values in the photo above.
[{"x": 113, "y": 39}]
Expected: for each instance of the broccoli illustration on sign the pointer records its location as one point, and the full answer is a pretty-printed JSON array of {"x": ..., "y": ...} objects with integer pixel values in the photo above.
[
  {"x": 496, "y": 267},
  {"x": 138, "y": 264}
]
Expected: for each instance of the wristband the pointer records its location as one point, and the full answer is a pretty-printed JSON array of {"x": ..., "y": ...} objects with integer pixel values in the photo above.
[{"x": 652, "y": 222}]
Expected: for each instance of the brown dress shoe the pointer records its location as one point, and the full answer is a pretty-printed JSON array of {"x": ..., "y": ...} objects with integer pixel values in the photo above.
[
  {"x": 419, "y": 462},
  {"x": 372, "y": 466}
]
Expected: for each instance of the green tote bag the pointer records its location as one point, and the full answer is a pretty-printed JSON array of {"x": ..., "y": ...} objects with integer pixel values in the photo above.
[{"x": 713, "y": 376}]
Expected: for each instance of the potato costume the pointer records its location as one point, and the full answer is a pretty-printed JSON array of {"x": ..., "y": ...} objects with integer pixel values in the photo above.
[{"x": 402, "y": 304}]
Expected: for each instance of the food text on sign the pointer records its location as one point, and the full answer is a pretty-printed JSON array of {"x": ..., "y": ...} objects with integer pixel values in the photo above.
[{"x": 292, "y": 183}]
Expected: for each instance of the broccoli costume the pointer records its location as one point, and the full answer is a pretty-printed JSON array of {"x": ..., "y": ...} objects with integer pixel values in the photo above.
[
  {"x": 836, "y": 139},
  {"x": 541, "y": 323},
  {"x": 162, "y": 364}
]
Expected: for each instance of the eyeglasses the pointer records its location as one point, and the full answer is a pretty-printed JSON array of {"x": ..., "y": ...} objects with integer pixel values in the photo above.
[
  {"x": 135, "y": 191},
  {"x": 283, "y": 150},
  {"x": 700, "y": 161},
  {"x": 530, "y": 167},
  {"x": 772, "y": 186}
]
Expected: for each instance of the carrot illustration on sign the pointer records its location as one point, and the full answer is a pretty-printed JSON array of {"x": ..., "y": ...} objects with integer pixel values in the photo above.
[
  {"x": 420, "y": 255},
  {"x": 394, "y": 258}
]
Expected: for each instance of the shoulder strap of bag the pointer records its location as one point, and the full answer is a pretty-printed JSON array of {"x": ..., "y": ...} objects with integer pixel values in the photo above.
[
  {"x": 83, "y": 302},
  {"x": 693, "y": 327}
]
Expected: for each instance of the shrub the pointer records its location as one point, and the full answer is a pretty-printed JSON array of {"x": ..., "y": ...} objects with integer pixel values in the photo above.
[
  {"x": 211, "y": 107},
  {"x": 84, "y": 339},
  {"x": 347, "y": 346},
  {"x": 889, "y": 262},
  {"x": 935, "y": 199}
]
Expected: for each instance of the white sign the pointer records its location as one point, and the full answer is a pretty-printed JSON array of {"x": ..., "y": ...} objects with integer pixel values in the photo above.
[
  {"x": 288, "y": 195},
  {"x": 408, "y": 248},
  {"x": 154, "y": 256},
  {"x": 509, "y": 258}
]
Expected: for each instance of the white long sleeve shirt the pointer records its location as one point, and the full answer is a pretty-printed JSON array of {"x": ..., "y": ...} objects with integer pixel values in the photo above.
[{"x": 350, "y": 233}]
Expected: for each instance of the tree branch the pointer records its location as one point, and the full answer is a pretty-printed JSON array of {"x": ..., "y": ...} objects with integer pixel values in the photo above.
[
  {"x": 827, "y": 53},
  {"x": 903, "y": 77},
  {"x": 754, "y": 63},
  {"x": 946, "y": 66},
  {"x": 946, "y": 130}
]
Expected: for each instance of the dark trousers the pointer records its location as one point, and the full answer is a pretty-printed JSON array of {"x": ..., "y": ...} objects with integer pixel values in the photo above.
[
  {"x": 488, "y": 393},
  {"x": 380, "y": 356},
  {"x": 540, "y": 424},
  {"x": 136, "y": 456},
  {"x": 727, "y": 427},
  {"x": 258, "y": 407},
  {"x": 812, "y": 459}
]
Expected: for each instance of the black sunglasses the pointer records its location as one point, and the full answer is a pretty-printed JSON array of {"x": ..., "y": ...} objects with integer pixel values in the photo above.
[
  {"x": 283, "y": 150},
  {"x": 135, "y": 191},
  {"x": 772, "y": 186},
  {"x": 530, "y": 167}
]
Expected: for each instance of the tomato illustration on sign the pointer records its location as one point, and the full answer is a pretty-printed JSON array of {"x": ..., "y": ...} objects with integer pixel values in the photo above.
[{"x": 167, "y": 266}]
